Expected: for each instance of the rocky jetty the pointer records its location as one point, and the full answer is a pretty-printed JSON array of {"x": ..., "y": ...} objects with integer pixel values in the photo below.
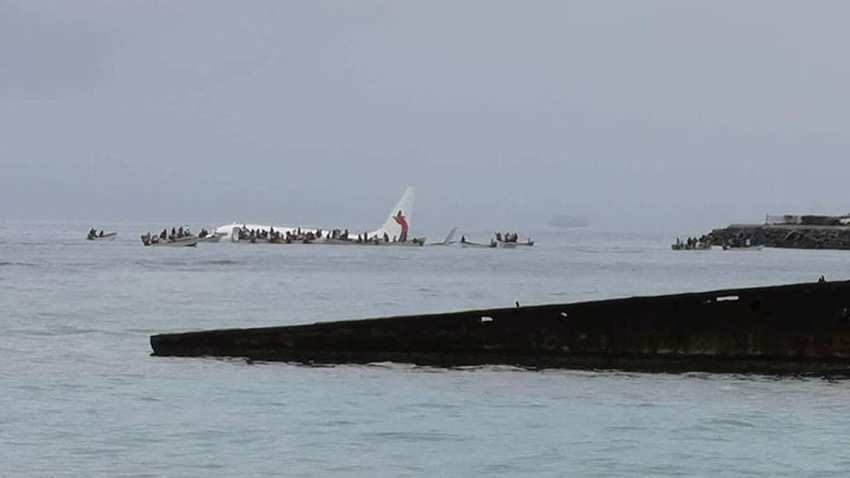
[
  {"x": 791, "y": 329},
  {"x": 791, "y": 236}
]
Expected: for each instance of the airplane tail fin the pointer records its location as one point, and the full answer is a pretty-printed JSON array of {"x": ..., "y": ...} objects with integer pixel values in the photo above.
[
  {"x": 450, "y": 238},
  {"x": 400, "y": 221}
]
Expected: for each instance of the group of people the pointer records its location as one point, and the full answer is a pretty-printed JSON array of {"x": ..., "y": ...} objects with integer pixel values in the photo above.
[
  {"x": 93, "y": 233},
  {"x": 377, "y": 239},
  {"x": 507, "y": 237},
  {"x": 692, "y": 243},
  {"x": 175, "y": 235},
  {"x": 278, "y": 237},
  {"x": 500, "y": 239},
  {"x": 309, "y": 236}
]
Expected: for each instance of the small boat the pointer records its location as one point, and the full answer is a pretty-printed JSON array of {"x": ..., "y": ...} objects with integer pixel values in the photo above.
[
  {"x": 477, "y": 245},
  {"x": 514, "y": 244},
  {"x": 335, "y": 241},
  {"x": 415, "y": 242},
  {"x": 738, "y": 245},
  {"x": 511, "y": 240},
  {"x": 743, "y": 248},
  {"x": 185, "y": 241},
  {"x": 702, "y": 246},
  {"x": 692, "y": 244},
  {"x": 103, "y": 236}
]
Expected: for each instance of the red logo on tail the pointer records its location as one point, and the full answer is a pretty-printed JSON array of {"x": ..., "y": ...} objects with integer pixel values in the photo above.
[{"x": 402, "y": 221}]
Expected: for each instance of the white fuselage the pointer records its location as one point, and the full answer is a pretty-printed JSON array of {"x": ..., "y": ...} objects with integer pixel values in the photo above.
[
  {"x": 230, "y": 231},
  {"x": 394, "y": 229}
]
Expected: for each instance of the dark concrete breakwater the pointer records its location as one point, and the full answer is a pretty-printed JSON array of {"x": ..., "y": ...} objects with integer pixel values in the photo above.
[
  {"x": 789, "y": 329},
  {"x": 784, "y": 235}
]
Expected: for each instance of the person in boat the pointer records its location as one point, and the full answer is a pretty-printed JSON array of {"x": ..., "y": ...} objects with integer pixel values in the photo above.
[
  {"x": 386, "y": 237},
  {"x": 499, "y": 236},
  {"x": 101, "y": 233},
  {"x": 463, "y": 239}
]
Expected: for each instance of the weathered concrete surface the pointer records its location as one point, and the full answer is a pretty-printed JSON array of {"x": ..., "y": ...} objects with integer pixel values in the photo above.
[
  {"x": 796, "y": 329},
  {"x": 785, "y": 236}
]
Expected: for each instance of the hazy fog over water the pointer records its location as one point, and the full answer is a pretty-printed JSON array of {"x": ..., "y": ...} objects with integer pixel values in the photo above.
[{"x": 639, "y": 115}]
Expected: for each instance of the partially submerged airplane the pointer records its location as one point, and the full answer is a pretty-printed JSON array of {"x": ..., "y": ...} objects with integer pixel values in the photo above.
[{"x": 395, "y": 231}]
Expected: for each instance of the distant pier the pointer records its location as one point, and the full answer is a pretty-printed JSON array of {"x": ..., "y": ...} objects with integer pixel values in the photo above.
[{"x": 790, "y": 329}]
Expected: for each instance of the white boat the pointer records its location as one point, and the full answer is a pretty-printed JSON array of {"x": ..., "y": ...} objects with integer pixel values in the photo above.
[
  {"x": 186, "y": 241},
  {"x": 476, "y": 245},
  {"x": 700, "y": 246},
  {"x": 743, "y": 248},
  {"x": 108, "y": 236},
  {"x": 514, "y": 244},
  {"x": 746, "y": 245}
]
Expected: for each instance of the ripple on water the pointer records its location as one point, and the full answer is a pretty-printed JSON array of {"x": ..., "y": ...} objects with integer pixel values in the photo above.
[
  {"x": 413, "y": 436},
  {"x": 17, "y": 264}
]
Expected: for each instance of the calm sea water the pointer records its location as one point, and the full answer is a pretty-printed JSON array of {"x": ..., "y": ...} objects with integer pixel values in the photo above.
[{"x": 80, "y": 395}]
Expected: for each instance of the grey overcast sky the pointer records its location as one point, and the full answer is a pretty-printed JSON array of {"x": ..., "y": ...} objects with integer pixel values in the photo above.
[{"x": 642, "y": 115}]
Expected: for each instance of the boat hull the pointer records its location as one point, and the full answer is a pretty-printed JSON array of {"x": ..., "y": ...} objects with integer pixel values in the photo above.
[
  {"x": 476, "y": 245},
  {"x": 106, "y": 237},
  {"x": 183, "y": 242}
]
